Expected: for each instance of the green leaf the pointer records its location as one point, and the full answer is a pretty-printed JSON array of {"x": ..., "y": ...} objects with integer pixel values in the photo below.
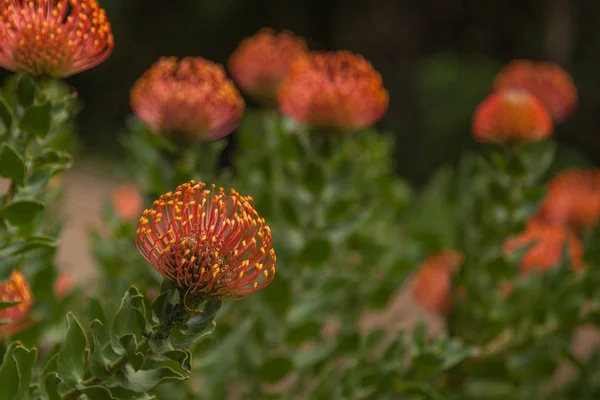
[
  {"x": 129, "y": 320},
  {"x": 307, "y": 331},
  {"x": 275, "y": 369},
  {"x": 25, "y": 90},
  {"x": 12, "y": 165},
  {"x": 198, "y": 326},
  {"x": 21, "y": 212},
  {"x": 50, "y": 386},
  {"x": 37, "y": 120},
  {"x": 307, "y": 358},
  {"x": 5, "y": 117},
  {"x": 97, "y": 393},
  {"x": 144, "y": 381},
  {"x": 316, "y": 252},
  {"x": 16, "y": 371},
  {"x": 25, "y": 245},
  {"x": 7, "y": 304},
  {"x": 97, "y": 361},
  {"x": 72, "y": 356}
]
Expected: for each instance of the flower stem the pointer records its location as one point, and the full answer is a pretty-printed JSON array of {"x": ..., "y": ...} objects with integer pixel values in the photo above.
[{"x": 110, "y": 368}]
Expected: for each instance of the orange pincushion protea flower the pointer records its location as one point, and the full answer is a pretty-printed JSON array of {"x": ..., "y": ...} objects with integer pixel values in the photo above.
[
  {"x": 191, "y": 97},
  {"x": 262, "y": 61},
  {"x": 547, "y": 243},
  {"x": 433, "y": 283},
  {"x": 15, "y": 289},
  {"x": 127, "y": 202},
  {"x": 212, "y": 245},
  {"x": 511, "y": 116},
  {"x": 337, "y": 90},
  {"x": 546, "y": 81},
  {"x": 55, "y": 38},
  {"x": 573, "y": 199}
]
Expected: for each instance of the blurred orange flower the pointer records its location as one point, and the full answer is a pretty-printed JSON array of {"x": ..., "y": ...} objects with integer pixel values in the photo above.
[
  {"x": 547, "y": 81},
  {"x": 190, "y": 98},
  {"x": 262, "y": 61},
  {"x": 127, "y": 202},
  {"x": 337, "y": 90},
  {"x": 547, "y": 243},
  {"x": 15, "y": 289},
  {"x": 573, "y": 199},
  {"x": 54, "y": 38},
  {"x": 511, "y": 116},
  {"x": 433, "y": 282},
  {"x": 211, "y": 244},
  {"x": 63, "y": 284}
]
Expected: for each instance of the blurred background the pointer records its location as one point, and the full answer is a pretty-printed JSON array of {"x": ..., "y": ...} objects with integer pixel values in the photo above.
[{"x": 437, "y": 58}]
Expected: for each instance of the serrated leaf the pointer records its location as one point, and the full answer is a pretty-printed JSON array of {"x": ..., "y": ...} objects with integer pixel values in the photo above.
[
  {"x": 129, "y": 320},
  {"x": 198, "y": 325},
  {"x": 124, "y": 394},
  {"x": 25, "y": 90},
  {"x": 97, "y": 393},
  {"x": 12, "y": 165},
  {"x": 275, "y": 369},
  {"x": 25, "y": 360},
  {"x": 15, "y": 372},
  {"x": 21, "y": 212},
  {"x": 144, "y": 381},
  {"x": 50, "y": 387},
  {"x": 5, "y": 117},
  {"x": 37, "y": 120},
  {"x": 72, "y": 356}
]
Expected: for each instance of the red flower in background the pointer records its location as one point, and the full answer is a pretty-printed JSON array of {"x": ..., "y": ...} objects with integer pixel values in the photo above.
[
  {"x": 261, "y": 62},
  {"x": 191, "y": 97},
  {"x": 55, "y": 38},
  {"x": 15, "y": 289},
  {"x": 573, "y": 199},
  {"x": 337, "y": 90},
  {"x": 547, "y": 243},
  {"x": 127, "y": 202},
  {"x": 211, "y": 244},
  {"x": 511, "y": 116},
  {"x": 546, "y": 81},
  {"x": 433, "y": 283}
]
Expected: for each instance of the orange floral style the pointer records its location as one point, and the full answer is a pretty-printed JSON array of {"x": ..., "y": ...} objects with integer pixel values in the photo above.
[
  {"x": 547, "y": 243},
  {"x": 547, "y": 81},
  {"x": 127, "y": 202},
  {"x": 211, "y": 244},
  {"x": 191, "y": 97},
  {"x": 433, "y": 284},
  {"x": 511, "y": 116},
  {"x": 15, "y": 289},
  {"x": 261, "y": 62},
  {"x": 54, "y": 38},
  {"x": 573, "y": 199},
  {"x": 339, "y": 90}
]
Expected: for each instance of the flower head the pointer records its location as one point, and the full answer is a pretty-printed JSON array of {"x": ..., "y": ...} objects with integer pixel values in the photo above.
[
  {"x": 15, "y": 289},
  {"x": 191, "y": 97},
  {"x": 213, "y": 245},
  {"x": 547, "y": 81},
  {"x": 262, "y": 61},
  {"x": 337, "y": 90},
  {"x": 433, "y": 284},
  {"x": 547, "y": 243},
  {"x": 573, "y": 199},
  {"x": 127, "y": 202},
  {"x": 63, "y": 285},
  {"x": 511, "y": 116},
  {"x": 55, "y": 38}
]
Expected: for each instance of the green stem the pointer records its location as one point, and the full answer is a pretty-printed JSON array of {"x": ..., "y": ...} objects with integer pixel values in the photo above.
[{"x": 111, "y": 369}]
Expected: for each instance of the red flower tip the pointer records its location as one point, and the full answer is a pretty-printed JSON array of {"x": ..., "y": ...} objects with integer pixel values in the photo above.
[
  {"x": 546, "y": 81},
  {"x": 127, "y": 202},
  {"x": 547, "y": 243},
  {"x": 337, "y": 90},
  {"x": 433, "y": 282},
  {"x": 54, "y": 38},
  {"x": 15, "y": 289},
  {"x": 511, "y": 116},
  {"x": 191, "y": 97},
  {"x": 261, "y": 62},
  {"x": 573, "y": 199},
  {"x": 213, "y": 245}
]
